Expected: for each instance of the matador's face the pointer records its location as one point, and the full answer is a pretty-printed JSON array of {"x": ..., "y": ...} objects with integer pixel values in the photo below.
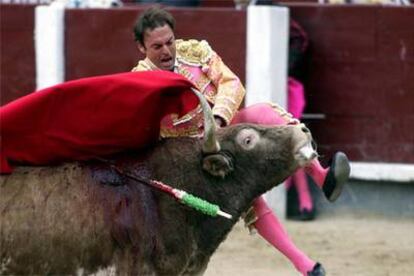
[{"x": 159, "y": 47}]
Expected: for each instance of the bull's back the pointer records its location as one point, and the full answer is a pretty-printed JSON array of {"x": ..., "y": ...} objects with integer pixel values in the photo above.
[{"x": 49, "y": 224}]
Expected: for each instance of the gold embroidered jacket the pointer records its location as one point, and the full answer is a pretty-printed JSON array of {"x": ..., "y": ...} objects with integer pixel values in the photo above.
[{"x": 222, "y": 88}]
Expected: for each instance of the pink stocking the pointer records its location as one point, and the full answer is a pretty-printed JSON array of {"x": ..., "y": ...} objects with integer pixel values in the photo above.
[
  {"x": 317, "y": 172},
  {"x": 301, "y": 184},
  {"x": 272, "y": 230}
]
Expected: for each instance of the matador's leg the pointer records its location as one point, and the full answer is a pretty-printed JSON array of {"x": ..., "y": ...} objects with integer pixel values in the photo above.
[
  {"x": 260, "y": 216},
  {"x": 268, "y": 226}
]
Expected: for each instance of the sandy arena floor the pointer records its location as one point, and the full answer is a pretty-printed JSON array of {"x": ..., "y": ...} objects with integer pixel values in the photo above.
[{"x": 350, "y": 245}]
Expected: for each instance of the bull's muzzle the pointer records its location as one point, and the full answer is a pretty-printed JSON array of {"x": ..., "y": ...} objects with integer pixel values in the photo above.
[{"x": 304, "y": 151}]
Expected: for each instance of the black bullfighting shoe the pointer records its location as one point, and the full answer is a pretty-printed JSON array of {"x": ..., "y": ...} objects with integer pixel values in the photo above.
[
  {"x": 317, "y": 270},
  {"x": 302, "y": 215},
  {"x": 306, "y": 215},
  {"x": 337, "y": 176}
]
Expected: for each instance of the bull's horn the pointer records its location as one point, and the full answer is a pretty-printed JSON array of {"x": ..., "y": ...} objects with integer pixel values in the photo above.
[{"x": 210, "y": 143}]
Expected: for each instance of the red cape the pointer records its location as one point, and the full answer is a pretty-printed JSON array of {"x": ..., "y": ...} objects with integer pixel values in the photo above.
[{"x": 90, "y": 117}]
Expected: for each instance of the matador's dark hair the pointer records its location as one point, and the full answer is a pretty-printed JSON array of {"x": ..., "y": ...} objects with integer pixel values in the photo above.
[{"x": 150, "y": 19}]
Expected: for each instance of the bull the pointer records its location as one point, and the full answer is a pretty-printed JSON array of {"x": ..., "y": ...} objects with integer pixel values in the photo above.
[{"x": 85, "y": 216}]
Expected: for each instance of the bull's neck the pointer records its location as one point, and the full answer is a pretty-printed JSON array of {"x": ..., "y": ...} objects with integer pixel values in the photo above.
[
  {"x": 177, "y": 165},
  {"x": 213, "y": 231}
]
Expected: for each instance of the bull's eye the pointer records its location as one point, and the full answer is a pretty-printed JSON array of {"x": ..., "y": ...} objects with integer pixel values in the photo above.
[
  {"x": 247, "y": 138},
  {"x": 247, "y": 141}
]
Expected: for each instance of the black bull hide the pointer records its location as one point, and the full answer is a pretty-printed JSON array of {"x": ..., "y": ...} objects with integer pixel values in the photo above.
[{"x": 81, "y": 217}]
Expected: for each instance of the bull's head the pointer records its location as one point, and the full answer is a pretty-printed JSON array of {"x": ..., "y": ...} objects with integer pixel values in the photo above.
[
  {"x": 257, "y": 144},
  {"x": 220, "y": 163}
]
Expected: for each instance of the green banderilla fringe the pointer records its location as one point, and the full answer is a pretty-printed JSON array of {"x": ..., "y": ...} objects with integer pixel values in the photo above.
[{"x": 201, "y": 205}]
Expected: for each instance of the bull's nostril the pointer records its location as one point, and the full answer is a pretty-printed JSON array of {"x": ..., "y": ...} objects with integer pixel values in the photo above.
[{"x": 305, "y": 129}]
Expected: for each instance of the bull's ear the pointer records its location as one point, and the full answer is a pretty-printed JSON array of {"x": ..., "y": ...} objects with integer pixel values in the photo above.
[{"x": 218, "y": 164}]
